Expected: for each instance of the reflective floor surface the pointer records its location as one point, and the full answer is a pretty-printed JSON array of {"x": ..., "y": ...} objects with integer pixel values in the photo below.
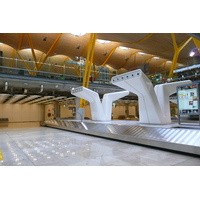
[{"x": 31, "y": 145}]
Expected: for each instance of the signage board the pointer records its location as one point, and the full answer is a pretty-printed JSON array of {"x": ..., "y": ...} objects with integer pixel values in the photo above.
[{"x": 188, "y": 99}]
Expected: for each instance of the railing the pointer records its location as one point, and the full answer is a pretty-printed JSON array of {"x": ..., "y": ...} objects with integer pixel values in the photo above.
[
  {"x": 65, "y": 72},
  {"x": 42, "y": 74}
]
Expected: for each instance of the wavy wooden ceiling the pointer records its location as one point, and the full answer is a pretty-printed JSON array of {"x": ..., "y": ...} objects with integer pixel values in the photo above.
[{"x": 157, "y": 44}]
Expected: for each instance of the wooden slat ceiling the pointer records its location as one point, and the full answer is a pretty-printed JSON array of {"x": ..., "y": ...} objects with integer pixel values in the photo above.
[{"x": 158, "y": 44}]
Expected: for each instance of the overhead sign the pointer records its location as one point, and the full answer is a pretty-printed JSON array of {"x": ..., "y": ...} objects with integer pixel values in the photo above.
[{"x": 188, "y": 99}]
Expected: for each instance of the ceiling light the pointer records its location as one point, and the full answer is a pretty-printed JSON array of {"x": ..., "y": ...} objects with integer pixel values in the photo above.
[
  {"x": 141, "y": 53},
  {"x": 156, "y": 58},
  {"x": 192, "y": 53},
  {"x": 78, "y": 34},
  {"x": 124, "y": 48},
  {"x": 103, "y": 41},
  {"x": 169, "y": 61}
]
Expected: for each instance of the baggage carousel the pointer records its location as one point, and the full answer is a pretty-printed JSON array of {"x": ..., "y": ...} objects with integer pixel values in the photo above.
[{"x": 170, "y": 137}]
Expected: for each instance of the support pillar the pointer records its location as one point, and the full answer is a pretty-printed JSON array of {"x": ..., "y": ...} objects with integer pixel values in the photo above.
[
  {"x": 80, "y": 112},
  {"x": 56, "y": 109},
  {"x": 177, "y": 51}
]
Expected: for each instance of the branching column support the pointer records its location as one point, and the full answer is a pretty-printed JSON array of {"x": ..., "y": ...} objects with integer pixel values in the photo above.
[
  {"x": 52, "y": 49},
  {"x": 177, "y": 50},
  {"x": 197, "y": 43},
  {"x": 74, "y": 66},
  {"x": 89, "y": 63},
  {"x": 26, "y": 65},
  {"x": 133, "y": 54},
  {"x": 109, "y": 55},
  {"x": 148, "y": 60},
  {"x": 32, "y": 50},
  {"x": 13, "y": 56},
  {"x": 21, "y": 36}
]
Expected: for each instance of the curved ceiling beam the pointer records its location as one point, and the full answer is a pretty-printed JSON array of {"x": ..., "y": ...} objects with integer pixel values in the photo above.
[
  {"x": 172, "y": 47},
  {"x": 126, "y": 60},
  {"x": 148, "y": 60},
  {"x": 112, "y": 51},
  {"x": 139, "y": 41}
]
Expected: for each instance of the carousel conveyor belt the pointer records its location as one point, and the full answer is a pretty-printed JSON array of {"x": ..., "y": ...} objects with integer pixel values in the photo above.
[{"x": 178, "y": 139}]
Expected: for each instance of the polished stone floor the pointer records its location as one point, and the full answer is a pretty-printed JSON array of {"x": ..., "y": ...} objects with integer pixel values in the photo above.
[{"x": 29, "y": 144}]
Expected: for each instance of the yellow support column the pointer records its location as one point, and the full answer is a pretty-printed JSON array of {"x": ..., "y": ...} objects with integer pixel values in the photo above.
[
  {"x": 197, "y": 43},
  {"x": 1, "y": 155},
  {"x": 25, "y": 64},
  {"x": 13, "y": 56},
  {"x": 32, "y": 50},
  {"x": 89, "y": 63},
  {"x": 51, "y": 50},
  {"x": 177, "y": 50}
]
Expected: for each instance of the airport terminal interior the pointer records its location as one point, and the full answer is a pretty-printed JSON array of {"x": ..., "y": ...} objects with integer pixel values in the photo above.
[{"x": 99, "y": 99}]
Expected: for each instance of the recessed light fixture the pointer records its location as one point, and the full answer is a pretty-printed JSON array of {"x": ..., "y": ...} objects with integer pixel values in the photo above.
[
  {"x": 192, "y": 53},
  {"x": 78, "y": 34},
  {"x": 169, "y": 61},
  {"x": 103, "y": 41},
  {"x": 156, "y": 58},
  {"x": 141, "y": 53},
  {"x": 123, "y": 48}
]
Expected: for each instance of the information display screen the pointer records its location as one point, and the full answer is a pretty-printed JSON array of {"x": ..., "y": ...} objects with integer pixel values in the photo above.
[{"x": 188, "y": 101}]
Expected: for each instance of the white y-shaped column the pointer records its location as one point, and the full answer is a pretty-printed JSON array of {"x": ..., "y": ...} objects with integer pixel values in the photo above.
[
  {"x": 138, "y": 83},
  {"x": 99, "y": 111},
  {"x": 108, "y": 100},
  {"x": 163, "y": 91}
]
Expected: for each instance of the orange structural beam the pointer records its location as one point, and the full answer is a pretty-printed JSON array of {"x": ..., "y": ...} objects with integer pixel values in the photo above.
[
  {"x": 89, "y": 63},
  {"x": 197, "y": 43},
  {"x": 21, "y": 36},
  {"x": 74, "y": 66},
  {"x": 133, "y": 54},
  {"x": 113, "y": 50},
  {"x": 26, "y": 65},
  {"x": 51, "y": 50},
  {"x": 32, "y": 50},
  {"x": 172, "y": 47},
  {"x": 148, "y": 36},
  {"x": 177, "y": 50},
  {"x": 13, "y": 56}
]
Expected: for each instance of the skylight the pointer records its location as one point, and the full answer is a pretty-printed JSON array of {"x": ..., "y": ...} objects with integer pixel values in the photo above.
[
  {"x": 123, "y": 48},
  {"x": 103, "y": 41},
  {"x": 141, "y": 53},
  {"x": 78, "y": 34}
]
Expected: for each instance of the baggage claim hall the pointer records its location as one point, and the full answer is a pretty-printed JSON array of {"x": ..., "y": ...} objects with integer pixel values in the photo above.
[{"x": 99, "y": 99}]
